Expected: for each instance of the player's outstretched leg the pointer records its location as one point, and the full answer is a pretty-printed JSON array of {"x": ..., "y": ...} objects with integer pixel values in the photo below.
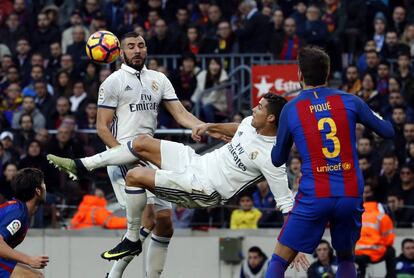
[
  {"x": 144, "y": 178},
  {"x": 142, "y": 147}
]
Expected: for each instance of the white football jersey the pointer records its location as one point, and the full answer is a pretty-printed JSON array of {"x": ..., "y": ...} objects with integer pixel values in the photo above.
[
  {"x": 244, "y": 161},
  {"x": 135, "y": 96}
]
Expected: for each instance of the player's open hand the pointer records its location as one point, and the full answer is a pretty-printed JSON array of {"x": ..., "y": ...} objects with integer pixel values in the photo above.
[
  {"x": 300, "y": 261},
  {"x": 198, "y": 131},
  {"x": 38, "y": 261}
]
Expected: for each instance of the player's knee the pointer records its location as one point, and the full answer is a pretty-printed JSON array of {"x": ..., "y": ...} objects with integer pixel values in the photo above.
[
  {"x": 133, "y": 176},
  {"x": 139, "y": 143},
  {"x": 163, "y": 223}
]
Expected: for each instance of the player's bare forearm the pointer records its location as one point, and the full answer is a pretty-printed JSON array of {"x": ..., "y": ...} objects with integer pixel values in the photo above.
[
  {"x": 106, "y": 136},
  {"x": 227, "y": 129},
  {"x": 9, "y": 253},
  {"x": 181, "y": 115}
]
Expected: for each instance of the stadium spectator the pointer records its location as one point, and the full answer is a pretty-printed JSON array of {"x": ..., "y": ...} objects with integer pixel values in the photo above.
[
  {"x": 276, "y": 27},
  {"x": 22, "y": 59},
  {"x": 44, "y": 35},
  {"x": 212, "y": 102},
  {"x": 372, "y": 59},
  {"x": 369, "y": 93},
  {"x": 67, "y": 35},
  {"x": 399, "y": 19},
  {"x": 163, "y": 42},
  {"x": 10, "y": 154},
  {"x": 66, "y": 64},
  {"x": 98, "y": 23},
  {"x": 264, "y": 200},
  {"x": 395, "y": 99},
  {"x": 44, "y": 101},
  {"x": 62, "y": 109},
  {"x": 402, "y": 217},
  {"x": 392, "y": 47},
  {"x": 299, "y": 15},
  {"x": 407, "y": 184},
  {"x": 42, "y": 136},
  {"x": 181, "y": 217},
  {"x": 35, "y": 158},
  {"x": 250, "y": 40},
  {"x": 294, "y": 173},
  {"x": 383, "y": 75},
  {"x": 325, "y": 265},
  {"x": 405, "y": 261},
  {"x": 63, "y": 84},
  {"x": 29, "y": 107},
  {"x": 77, "y": 48},
  {"x": 214, "y": 16},
  {"x": 355, "y": 27},
  {"x": 193, "y": 42},
  {"x": 255, "y": 266},
  {"x": 78, "y": 99},
  {"x": 9, "y": 170},
  {"x": 89, "y": 10},
  {"x": 398, "y": 117},
  {"x": 403, "y": 71},
  {"x": 24, "y": 134},
  {"x": 333, "y": 15},
  {"x": 181, "y": 23},
  {"x": 37, "y": 74},
  {"x": 226, "y": 41},
  {"x": 380, "y": 26},
  {"x": 408, "y": 37},
  {"x": 377, "y": 237},
  {"x": 10, "y": 104},
  {"x": 184, "y": 79},
  {"x": 316, "y": 31},
  {"x": 11, "y": 76},
  {"x": 286, "y": 47},
  {"x": 114, "y": 13},
  {"x": 53, "y": 64},
  {"x": 352, "y": 82},
  {"x": 91, "y": 79},
  {"x": 132, "y": 17},
  {"x": 92, "y": 212},
  {"x": 247, "y": 216},
  {"x": 12, "y": 31},
  {"x": 388, "y": 179}
]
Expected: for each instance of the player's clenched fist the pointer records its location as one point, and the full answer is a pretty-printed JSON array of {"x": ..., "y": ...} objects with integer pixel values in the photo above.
[
  {"x": 38, "y": 261},
  {"x": 198, "y": 131}
]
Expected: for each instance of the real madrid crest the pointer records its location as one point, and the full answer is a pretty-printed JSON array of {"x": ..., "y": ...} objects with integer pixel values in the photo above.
[
  {"x": 154, "y": 86},
  {"x": 253, "y": 155}
]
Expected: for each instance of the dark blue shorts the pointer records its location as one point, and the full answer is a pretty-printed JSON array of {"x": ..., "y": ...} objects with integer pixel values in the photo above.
[
  {"x": 309, "y": 217},
  {"x": 6, "y": 267}
]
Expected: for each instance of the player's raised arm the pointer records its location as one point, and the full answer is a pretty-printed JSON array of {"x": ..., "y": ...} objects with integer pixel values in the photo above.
[
  {"x": 284, "y": 141},
  {"x": 373, "y": 121},
  {"x": 181, "y": 115}
]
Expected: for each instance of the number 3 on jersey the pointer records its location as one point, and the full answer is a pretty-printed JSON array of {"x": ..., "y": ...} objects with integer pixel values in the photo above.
[{"x": 330, "y": 136}]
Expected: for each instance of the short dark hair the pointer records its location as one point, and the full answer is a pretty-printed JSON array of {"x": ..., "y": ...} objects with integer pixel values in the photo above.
[
  {"x": 25, "y": 182},
  {"x": 406, "y": 240},
  {"x": 314, "y": 65},
  {"x": 275, "y": 104},
  {"x": 131, "y": 34},
  {"x": 255, "y": 249},
  {"x": 25, "y": 115}
]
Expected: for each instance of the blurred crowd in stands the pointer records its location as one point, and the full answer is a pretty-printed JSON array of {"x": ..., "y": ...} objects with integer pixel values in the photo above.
[{"x": 48, "y": 87}]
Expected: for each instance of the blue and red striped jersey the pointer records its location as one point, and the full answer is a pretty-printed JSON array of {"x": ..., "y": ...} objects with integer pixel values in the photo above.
[
  {"x": 321, "y": 122},
  {"x": 14, "y": 222}
]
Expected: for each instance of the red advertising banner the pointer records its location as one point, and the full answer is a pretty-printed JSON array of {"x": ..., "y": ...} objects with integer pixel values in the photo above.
[{"x": 278, "y": 79}]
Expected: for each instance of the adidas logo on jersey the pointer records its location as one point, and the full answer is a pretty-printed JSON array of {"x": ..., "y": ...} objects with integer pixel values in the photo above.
[{"x": 128, "y": 88}]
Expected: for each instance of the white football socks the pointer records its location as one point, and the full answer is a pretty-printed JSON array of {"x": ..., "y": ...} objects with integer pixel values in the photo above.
[
  {"x": 119, "y": 155},
  {"x": 157, "y": 254},
  {"x": 136, "y": 199}
]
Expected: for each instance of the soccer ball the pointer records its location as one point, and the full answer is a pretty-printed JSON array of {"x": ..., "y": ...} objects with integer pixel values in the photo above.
[{"x": 102, "y": 47}]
